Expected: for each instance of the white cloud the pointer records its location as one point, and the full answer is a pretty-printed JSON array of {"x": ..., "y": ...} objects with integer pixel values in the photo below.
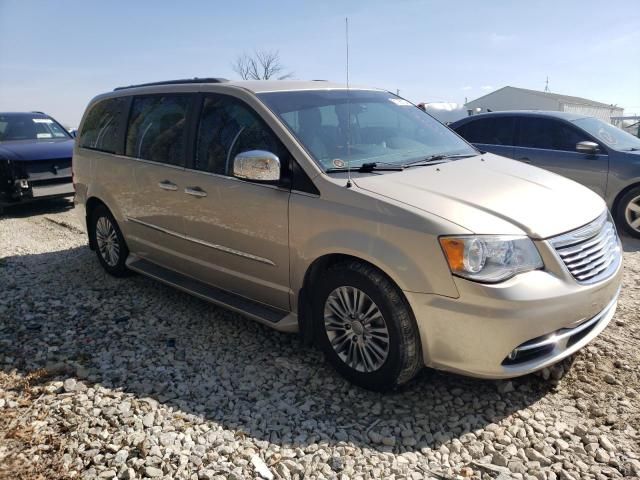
[
  {"x": 486, "y": 87},
  {"x": 467, "y": 88}
]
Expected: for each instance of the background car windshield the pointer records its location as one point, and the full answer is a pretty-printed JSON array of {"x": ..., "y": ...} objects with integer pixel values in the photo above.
[
  {"x": 608, "y": 134},
  {"x": 340, "y": 127},
  {"x": 29, "y": 127}
]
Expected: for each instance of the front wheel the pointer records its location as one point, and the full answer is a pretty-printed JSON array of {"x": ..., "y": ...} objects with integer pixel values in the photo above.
[
  {"x": 111, "y": 248},
  {"x": 365, "y": 327},
  {"x": 629, "y": 212}
]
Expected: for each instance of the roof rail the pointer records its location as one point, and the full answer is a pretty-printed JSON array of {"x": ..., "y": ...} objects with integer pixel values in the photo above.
[
  {"x": 175, "y": 82},
  {"x": 36, "y": 111}
]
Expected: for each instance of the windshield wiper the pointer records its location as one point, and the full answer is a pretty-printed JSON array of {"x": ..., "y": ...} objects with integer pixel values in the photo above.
[
  {"x": 369, "y": 167},
  {"x": 436, "y": 158}
]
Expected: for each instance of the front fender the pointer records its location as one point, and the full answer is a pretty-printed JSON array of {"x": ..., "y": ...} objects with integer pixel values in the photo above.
[{"x": 400, "y": 242}]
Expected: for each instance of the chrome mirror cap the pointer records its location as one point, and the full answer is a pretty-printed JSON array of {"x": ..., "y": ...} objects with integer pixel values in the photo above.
[
  {"x": 587, "y": 147},
  {"x": 257, "y": 165}
]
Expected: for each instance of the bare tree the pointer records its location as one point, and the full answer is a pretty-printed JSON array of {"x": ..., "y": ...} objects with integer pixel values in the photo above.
[{"x": 262, "y": 65}]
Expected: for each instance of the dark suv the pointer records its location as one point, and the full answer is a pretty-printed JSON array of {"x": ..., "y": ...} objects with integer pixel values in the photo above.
[
  {"x": 35, "y": 158},
  {"x": 585, "y": 149}
]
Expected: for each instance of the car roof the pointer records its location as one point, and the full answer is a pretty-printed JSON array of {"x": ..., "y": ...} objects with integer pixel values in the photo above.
[
  {"x": 522, "y": 113},
  {"x": 218, "y": 84},
  {"x": 262, "y": 86},
  {"x": 255, "y": 86}
]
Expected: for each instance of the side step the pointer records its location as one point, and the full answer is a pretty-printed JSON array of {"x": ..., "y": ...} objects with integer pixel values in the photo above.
[{"x": 273, "y": 317}]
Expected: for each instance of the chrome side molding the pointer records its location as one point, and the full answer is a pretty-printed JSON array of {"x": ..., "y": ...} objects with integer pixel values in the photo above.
[{"x": 221, "y": 248}]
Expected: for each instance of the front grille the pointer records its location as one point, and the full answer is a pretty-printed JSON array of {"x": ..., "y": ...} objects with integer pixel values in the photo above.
[{"x": 591, "y": 253}]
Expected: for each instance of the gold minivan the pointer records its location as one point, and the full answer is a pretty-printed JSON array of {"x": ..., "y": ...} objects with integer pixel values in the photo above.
[{"x": 350, "y": 216}]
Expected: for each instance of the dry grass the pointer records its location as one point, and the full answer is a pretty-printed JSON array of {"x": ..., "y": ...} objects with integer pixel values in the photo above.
[{"x": 27, "y": 452}]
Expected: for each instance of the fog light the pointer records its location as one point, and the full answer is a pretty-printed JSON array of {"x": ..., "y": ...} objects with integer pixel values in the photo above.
[{"x": 24, "y": 183}]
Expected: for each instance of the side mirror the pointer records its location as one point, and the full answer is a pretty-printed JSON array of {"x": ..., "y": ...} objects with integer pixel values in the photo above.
[
  {"x": 74, "y": 133},
  {"x": 587, "y": 147},
  {"x": 257, "y": 165}
]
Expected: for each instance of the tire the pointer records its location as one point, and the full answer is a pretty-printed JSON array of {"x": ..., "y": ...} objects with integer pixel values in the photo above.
[
  {"x": 110, "y": 246},
  {"x": 628, "y": 212},
  {"x": 363, "y": 363}
]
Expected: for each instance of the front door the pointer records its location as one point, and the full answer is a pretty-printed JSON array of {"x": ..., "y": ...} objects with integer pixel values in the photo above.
[
  {"x": 238, "y": 230},
  {"x": 551, "y": 144}
]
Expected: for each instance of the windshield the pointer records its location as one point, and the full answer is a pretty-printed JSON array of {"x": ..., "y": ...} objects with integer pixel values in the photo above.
[
  {"x": 608, "y": 134},
  {"x": 24, "y": 126},
  {"x": 340, "y": 127}
]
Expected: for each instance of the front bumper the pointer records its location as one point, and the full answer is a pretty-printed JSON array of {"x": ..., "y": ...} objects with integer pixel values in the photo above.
[{"x": 545, "y": 313}]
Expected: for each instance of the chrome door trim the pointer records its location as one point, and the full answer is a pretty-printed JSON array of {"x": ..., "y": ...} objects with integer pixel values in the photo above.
[{"x": 221, "y": 248}]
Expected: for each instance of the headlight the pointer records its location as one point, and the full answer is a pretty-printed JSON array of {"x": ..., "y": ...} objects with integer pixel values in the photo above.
[{"x": 489, "y": 258}]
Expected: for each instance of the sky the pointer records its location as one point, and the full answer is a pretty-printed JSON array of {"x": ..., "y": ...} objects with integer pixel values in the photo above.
[{"x": 56, "y": 55}]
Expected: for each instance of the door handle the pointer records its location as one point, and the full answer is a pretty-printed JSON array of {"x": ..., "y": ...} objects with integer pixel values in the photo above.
[
  {"x": 167, "y": 185},
  {"x": 195, "y": 191},
  {"x": 525, "y": 159}
]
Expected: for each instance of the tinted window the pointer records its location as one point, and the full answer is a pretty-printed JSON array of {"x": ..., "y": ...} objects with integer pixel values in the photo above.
[
  {"x": 548, "y": 134},
  {"x": 157, "y": 128},
  {"x": 491, "y": 131},
  {"x": 228, "y": 127},
  {"x": 103, "y": 125}
]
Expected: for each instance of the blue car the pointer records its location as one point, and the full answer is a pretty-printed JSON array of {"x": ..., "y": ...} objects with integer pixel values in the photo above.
[
  {"x": 585, "y": 149},
  {"x": 35, "y": 158}
]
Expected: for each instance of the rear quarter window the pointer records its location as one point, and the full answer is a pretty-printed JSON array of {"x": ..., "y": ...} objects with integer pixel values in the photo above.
[{"x": 103, "y": 126}]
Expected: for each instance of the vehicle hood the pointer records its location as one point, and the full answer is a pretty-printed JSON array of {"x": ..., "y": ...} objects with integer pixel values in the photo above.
[
  {"x": 28, "y": 150},
  {"x": 489, "y": 194}
]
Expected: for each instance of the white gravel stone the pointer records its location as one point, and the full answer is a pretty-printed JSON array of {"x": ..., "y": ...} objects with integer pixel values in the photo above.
[
  {"x": 173, "y": 387},
  {"x": 261, "y": 468}
]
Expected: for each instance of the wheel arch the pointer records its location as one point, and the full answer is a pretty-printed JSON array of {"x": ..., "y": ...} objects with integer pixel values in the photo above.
[
  {"x": 312, "y": 273},
  {"x": 622, "y": 193},
  {"x": 90, "y": 206}
]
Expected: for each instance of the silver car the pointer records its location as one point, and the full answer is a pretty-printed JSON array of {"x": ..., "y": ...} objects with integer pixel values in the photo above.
[
  {"x": 352, "y": 217},
  {"x": 585, "y": 149}
]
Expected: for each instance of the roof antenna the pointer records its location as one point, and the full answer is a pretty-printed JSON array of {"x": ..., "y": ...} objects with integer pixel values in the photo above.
[{"x": 346, "y": 24}]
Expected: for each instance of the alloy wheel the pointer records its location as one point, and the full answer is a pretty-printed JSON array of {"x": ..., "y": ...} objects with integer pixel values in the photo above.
[
  {"x": 107, "y": 240},
  {"x": 356, "y": 329},
  {"x": 632, "y": 213}
]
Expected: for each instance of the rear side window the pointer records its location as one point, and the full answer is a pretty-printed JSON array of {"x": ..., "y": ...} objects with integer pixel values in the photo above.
[
  {"x": 228, "y": 127},
  {"x": 548, "y": 134},
  {"x": 490, "y": 131},
  {"x": 157, "y": 128},
  {"x": 102, "y": 127}
]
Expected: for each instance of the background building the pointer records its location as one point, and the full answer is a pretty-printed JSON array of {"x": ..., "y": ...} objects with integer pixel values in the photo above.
[
  {"x": 513, "y": 98},
  {"x": 445, "y": 112}
]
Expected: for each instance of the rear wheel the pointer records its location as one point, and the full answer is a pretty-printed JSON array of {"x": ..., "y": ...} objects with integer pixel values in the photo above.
[
  {"x": 365, "y": 327},
  {"x": 111, "y": 248},
  {"x": 629, "y": 212}
]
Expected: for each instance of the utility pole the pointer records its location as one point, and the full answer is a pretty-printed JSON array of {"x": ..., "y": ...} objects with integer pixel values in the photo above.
[{"x": 546, "y": 87}]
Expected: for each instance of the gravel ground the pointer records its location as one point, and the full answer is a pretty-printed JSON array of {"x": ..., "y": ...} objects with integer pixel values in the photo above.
[{"x": 106, "y": 378}]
